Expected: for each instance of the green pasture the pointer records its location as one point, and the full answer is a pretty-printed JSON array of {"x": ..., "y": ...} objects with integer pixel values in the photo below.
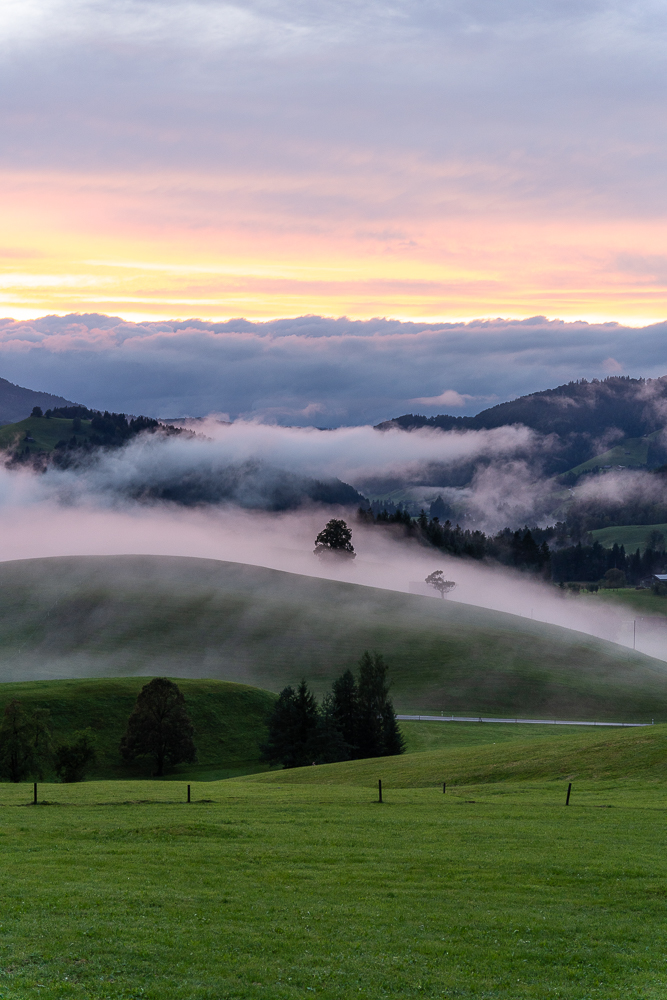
[
  {"x": 632, "y": 536},
  {"x": 162, "y": 616},
  {"x": 121, "y": 891},
  {"x": 631, "y": 452},
  {"x": 45, "y": 433},
  {"x": 422, "y": 736},
  {"x": 589, "y": 753},
  {"x": 627, "y": 599}
]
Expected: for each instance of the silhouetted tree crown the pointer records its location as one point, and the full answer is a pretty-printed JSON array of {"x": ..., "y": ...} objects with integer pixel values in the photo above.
[
  {"x": 378, "y": 731},
  {"x": 292, "y": 727},
  {"x": 438, "y": 582},
  {"x": 335, "y": 539},
  {"x": 25, "y": 742},
  {"x": 159, "y": 727}
]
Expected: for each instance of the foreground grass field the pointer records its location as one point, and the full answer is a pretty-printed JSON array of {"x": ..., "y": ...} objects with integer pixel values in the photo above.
[
  {"x": 121, "y": 890},
  {"x": 145, "y": 615}
]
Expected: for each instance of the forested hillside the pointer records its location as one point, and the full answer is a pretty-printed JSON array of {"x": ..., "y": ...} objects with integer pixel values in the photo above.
[{"x": 580, "y": 413}]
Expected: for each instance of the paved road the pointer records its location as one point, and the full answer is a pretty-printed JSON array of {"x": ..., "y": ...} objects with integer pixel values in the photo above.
[{"x": 530, "y": 722}]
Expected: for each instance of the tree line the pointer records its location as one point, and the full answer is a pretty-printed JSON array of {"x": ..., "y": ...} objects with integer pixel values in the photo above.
[
  {"x": 528, "y": 548},
  {"x": 356, "y": 719},
  {"x": 594, "y": 562}
]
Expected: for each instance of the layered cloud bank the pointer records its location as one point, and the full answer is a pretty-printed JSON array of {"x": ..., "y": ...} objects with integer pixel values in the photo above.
[{"x": 312, "y": 370}]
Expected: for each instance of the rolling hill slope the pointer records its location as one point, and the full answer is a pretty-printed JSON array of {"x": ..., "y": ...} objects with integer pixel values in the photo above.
[
  {"x": 145, "y": 615},
  {"x": 619, "y": 753}
]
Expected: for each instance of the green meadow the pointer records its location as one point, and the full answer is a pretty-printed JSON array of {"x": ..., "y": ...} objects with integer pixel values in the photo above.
[
  {"x": 631, "y": 452},
  {"x": 292, "y": 884},
  {"x": 283, "y": 891},
  {"x": 45, "y": 434},
  {"x": 632, "y": 536}
]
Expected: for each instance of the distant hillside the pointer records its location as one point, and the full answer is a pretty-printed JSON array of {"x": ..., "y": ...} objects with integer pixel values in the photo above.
[
  {"x": 580, "y": 413},
  {"x": 181, "y": 617},
  {"x": 16, "y": 403}
]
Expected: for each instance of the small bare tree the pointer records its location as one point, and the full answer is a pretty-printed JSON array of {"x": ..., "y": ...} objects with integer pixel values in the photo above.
[{"x": 438, "y": 582}]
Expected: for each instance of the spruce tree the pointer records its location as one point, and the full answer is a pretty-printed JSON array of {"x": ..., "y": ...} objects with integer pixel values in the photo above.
[
  {"x": 292, "y": 726},
  {"x": 329, "y": 744},
  {"x": 378, "y": 730},
  {"x": 345, "y": 709}
]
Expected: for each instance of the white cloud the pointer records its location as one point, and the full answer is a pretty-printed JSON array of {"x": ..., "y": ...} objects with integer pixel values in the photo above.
[{"x": 448, "y": 398}]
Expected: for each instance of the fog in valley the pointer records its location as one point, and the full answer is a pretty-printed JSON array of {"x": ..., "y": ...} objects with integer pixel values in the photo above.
[{"x": 107, "y": 505}]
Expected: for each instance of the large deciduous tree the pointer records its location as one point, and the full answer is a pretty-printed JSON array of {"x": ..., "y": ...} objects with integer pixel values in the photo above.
[
  {"x": 159, "y": 727},
  {"x": 25, "y": 742},
  {"x": 335, "y": 539}
]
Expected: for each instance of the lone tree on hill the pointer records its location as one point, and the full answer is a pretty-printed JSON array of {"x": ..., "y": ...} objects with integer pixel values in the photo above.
[
  {"x": 25, "y": 742},
  {"x": 159, "y": 727},
  {"x": 335, "y": 539},
  {"x": 438, "y": 582}
]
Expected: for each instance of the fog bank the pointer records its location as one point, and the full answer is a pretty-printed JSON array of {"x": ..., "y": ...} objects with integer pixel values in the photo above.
[{"x": 285, "y": 542}]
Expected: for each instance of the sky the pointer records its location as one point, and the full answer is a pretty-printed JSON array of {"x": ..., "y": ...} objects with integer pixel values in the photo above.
[{"x": 410, "y": 159}]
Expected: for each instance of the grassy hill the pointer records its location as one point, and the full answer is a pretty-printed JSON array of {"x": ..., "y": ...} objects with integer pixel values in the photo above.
[
  {"x": 143, "y": 615},
  {"x": 618, "y": 753},
  {"x": 633, "y": 536},
  {"x": 629, "y": 453},
  {"x": 229, "y": 720},
  {"x": 45, "y": 434}
]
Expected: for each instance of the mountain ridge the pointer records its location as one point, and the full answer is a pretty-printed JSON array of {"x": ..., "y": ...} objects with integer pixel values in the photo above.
[
  {"x": 17, "y": 402},
  {"x": 586, "y": 417}
]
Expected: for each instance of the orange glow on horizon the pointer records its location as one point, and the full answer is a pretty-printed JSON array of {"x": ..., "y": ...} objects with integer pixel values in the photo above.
[{"x": 166, "y": 248}]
